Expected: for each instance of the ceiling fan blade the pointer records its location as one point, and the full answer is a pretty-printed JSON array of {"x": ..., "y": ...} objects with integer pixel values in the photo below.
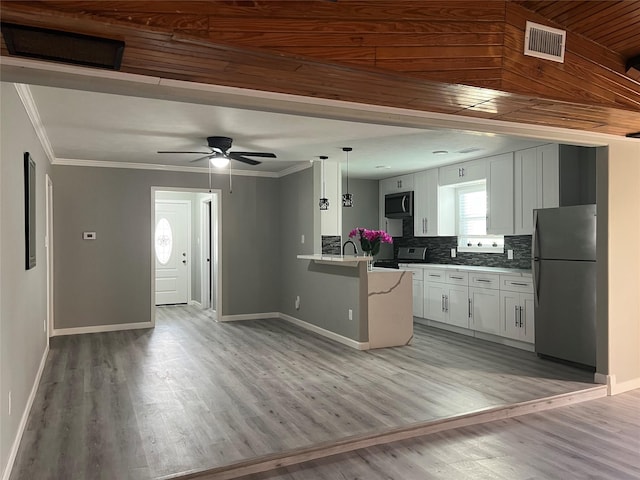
[
  {"x": 201, "y": 153},
  {"x": 206, "y": 157},
  {"x": 240, "y": 158},
  {"x": 256, "y": 154}
]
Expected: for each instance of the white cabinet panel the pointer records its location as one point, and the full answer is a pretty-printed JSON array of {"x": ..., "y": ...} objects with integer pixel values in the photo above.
[
  {"x": 425, "y": 204},
  {"x": 463, "y": 172},
  {"x": 485, "y": 310},
  {"x": 549, "y": 157},
  {"x": 457, "y": 305},
  {"x": 434, "y": 301},
  {"x": 536, "y": 177},
  {"x": 418, "y": 299},
  {"x": 500, "y": 194},
  {"x": 517, "y": 311}
]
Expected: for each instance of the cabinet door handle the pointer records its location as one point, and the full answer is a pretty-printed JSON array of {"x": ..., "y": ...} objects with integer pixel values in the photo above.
[
  {"x": 483, "y": 280},
  {"x": 442, "y": 303},
  {"x": 516, "y": 315},
  {"x": 520, "y": 309},
  {"x": 457, "y": 278},
  {"x": 469, "y": 308},
  {"x": 434, "y": 275},
  {"x": 446, "y": 302},
  {"x": 516, "y": 284}
]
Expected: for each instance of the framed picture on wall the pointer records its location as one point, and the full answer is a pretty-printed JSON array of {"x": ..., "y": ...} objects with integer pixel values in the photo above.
[{"x": 30, "y": 210}]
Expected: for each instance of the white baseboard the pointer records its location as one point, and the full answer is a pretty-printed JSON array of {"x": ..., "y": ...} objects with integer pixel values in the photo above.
[
  {"x": 615, "y": 387},
  {"x": 101, "y": 328},
  {"x": 249, "y": 316},
  {"x": 25, "y": 416},
  {"x": 195, "y": 303},
  {"x": 325, "y": 333}
]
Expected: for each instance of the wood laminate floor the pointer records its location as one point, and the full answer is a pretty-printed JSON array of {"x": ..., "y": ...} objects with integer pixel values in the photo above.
[
  {"x": 193, "y": 394},
  {"x": 599, "y": 439}
]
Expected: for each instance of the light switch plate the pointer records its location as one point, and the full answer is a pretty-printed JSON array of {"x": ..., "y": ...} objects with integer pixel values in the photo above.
[
  {"x": 88, "y": 235},
  {"x": 453, "y": 253},
  {"x": 509, "y": 254}
]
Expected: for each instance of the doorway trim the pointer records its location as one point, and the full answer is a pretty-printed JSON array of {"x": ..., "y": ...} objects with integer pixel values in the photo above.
[
  {"x": 215, "y": 193},
  {"x": 49, "y": 249}
]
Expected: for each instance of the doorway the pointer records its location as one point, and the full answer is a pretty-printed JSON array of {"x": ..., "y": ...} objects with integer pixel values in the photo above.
[{"x": 185, "y": 262}]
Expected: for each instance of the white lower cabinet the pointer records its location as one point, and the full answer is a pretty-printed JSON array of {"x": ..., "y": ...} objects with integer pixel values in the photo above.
[
  {"x": 517, "y": 309},
  {"x": 492, "y": 303},
  {"x": 418, "y": 290},
  {"x": 446, "y": 297},
  {"x": 485, "y": 310}
]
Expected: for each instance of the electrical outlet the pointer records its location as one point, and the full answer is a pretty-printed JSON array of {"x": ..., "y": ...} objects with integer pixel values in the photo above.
[
  {"x": 509, "y": 254},
  {"x": 302, "y": 238},
  {"x": 453, "y": 253},
  {"x": 9, "y": 403},
  {"x": 350, "y": 314},
  {"x": 298, "y": 302}
]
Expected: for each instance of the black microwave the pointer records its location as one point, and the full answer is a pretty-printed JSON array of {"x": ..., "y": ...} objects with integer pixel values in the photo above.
[{"x": 398, "y": 205}]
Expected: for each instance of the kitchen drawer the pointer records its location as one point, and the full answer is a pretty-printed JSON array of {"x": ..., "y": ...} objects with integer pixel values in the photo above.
[
  {"x": 435, "y": 275},
  {"x": 484, "y": 280},
  {"x": 457, "y": 278},
  {"x": 516, "y": 284},
  {"x": 418, "y": 273}
]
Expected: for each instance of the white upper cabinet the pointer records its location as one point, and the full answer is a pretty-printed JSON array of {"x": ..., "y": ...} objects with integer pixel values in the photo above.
[
  {"x": 425, "y": 204},
  {"x": 402, "y": 183},
  {"x": 536, "y": 184},
  {"x": 463, "y": 172},
  {"x": 549, "y": 158},
  {"x": 500, "y": 194}
]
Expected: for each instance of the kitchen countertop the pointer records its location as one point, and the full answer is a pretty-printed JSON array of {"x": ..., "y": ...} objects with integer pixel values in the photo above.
[{"x": 468, "y": 268}]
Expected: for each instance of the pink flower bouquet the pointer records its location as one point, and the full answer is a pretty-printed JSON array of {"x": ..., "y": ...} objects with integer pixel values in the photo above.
[{"x": 370, "y": 240}]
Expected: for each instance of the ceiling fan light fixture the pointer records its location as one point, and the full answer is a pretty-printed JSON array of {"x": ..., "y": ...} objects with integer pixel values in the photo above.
[{"x": 219, "y": 161}]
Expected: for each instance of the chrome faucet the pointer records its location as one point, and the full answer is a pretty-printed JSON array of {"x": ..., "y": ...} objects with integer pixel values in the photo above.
[{"x": 355, "y": 249}]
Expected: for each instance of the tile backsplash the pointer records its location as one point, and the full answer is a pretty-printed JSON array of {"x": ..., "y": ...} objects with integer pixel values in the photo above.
[
  {"x": 331, "y": 244},
  {"x": 439, "y": 250}
]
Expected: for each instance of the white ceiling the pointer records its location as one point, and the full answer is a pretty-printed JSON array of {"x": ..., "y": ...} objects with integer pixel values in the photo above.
[{"x": 85, "y": 125}]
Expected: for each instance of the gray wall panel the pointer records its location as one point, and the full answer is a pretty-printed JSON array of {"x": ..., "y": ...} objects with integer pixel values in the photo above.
[
  {"x": 23, "y": 293},
  {"x": 108, "y": 281},
  {"x": 326, "y": 292}
]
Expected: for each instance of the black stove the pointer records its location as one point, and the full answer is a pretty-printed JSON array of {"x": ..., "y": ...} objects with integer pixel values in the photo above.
[{"x": 405, "y": 255}]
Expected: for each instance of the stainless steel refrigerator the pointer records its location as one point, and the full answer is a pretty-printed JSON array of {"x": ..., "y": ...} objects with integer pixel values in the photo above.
[{"x": 564, "y": 279}]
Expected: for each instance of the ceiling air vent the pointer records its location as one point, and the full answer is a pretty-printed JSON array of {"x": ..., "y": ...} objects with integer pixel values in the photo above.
[
  {"x": 544, "y": 42},
  {"x": 59, "y": 46}
]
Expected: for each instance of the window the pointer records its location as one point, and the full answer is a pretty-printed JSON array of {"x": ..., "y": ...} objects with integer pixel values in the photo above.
[{"x": 471, "y": 220}]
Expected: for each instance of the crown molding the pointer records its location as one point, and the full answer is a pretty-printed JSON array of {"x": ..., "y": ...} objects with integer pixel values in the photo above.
[
  {"x": 29, "y": 103},
  {"x": 75, "y": 162},
  {"x": 294, "y": 169}
]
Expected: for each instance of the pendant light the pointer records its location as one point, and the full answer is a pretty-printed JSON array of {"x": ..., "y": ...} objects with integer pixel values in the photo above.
[
  {"x": 324, "y": 201},
  {"x": 347, "y": 198}
]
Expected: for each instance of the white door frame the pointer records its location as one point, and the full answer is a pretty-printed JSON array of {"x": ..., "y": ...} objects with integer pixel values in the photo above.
[
  {"x": 48, "y": 243},
  {"x": 217, "y": 194},
  {"x": 206, "y": 204}
]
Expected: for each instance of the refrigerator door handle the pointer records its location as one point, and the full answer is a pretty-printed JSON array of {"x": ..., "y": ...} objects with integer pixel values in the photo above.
[
  {"x": 534, "y": 237},
  {"x": 535, "y": 270}
]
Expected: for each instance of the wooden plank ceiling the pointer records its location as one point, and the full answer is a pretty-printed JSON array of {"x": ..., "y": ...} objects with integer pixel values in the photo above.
[{"x": 463, "y": 57}]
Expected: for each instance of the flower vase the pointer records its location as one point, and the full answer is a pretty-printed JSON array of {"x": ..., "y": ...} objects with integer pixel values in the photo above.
[{"x": 369, "y": 261}]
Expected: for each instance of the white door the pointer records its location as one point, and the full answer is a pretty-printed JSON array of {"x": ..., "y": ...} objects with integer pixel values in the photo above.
[{"x": 171, "y": 243}]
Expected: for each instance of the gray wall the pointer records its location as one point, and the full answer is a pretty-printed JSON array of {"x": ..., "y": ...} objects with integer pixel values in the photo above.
[
  {"x": 364, "y": 212},
  {"x": 23, "y": 295},
  {"x": 326, "y": 292},
  {"x": 108, "y": 281}
]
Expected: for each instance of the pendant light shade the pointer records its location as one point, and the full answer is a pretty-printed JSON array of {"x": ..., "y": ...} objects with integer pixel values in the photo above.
[
  {"x": 324, "y": 201},
  {"x": 347, "y": 198}
]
